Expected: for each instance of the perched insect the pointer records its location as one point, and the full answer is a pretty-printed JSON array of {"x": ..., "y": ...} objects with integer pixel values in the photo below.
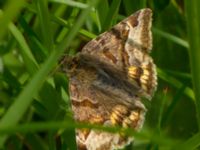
[{"x": 108, "y": 78}]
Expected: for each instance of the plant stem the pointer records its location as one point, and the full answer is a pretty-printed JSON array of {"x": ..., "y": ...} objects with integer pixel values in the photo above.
[{"x": 193, "y": 20}]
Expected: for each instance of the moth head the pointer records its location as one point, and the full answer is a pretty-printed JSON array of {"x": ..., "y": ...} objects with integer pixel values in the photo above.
[{"x": 68, "y": 64}]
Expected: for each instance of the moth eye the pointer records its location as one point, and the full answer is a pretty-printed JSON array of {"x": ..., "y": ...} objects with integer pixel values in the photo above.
[{"x": 71, "y": 66}]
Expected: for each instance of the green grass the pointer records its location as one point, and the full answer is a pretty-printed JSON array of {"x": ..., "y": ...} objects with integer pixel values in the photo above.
[
  {"x": 193, "y": 17},
  {"x": 34, "y": 101}
]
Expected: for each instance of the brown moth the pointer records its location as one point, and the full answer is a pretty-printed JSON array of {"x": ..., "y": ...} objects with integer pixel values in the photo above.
[{"x": 108, "y": 78}]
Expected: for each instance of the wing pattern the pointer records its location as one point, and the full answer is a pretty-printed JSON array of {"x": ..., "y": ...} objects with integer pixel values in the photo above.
[{"x": 108, "y": 78}]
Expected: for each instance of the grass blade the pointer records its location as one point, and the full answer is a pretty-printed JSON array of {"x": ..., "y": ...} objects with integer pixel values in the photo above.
[
  {"x": 190, "y": 144},
  {"x": 193, "y": 20},
  {"x": 11, "y": 10},
  {"x": 174, "y": 82},
  {"x": 42, "y": 9},
  {"x": 27, "y": 56},
  {"x": 111, "y": 14},
  {"x": 171, "y": 37},
  {"x": 71, "y": 3}
]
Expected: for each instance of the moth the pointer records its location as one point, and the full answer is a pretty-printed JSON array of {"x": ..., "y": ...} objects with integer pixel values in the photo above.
[{"x": 108, "y": 78}]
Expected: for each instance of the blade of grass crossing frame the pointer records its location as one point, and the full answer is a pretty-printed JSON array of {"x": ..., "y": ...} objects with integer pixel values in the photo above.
[{"x": 45, "y": 126}]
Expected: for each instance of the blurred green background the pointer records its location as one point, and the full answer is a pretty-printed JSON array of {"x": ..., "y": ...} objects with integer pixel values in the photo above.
[{"x": 34, "y": 101}]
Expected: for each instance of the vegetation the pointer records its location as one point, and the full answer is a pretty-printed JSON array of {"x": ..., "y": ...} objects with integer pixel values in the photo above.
[{"x": 34, "y": 101}]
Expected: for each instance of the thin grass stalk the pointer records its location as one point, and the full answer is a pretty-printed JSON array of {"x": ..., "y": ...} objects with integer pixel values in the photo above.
[
  {"x": 45, "y": 23},
  {"x": 193, "y": 24}
]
